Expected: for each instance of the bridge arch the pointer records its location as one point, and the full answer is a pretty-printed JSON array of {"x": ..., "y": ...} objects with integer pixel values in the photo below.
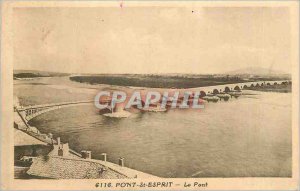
[
  {"x": 227, "y": 89},
  {"x": 237, "y": 88},
  {"x": 215, "y": 91},
  {"x": 202, "y": 94}
]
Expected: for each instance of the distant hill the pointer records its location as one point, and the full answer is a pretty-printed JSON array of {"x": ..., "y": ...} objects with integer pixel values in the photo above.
[{"x": 257, "y": 71}]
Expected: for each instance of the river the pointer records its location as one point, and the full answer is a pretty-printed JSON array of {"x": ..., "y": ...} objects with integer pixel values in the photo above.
[{"x": 245, "y": 137}]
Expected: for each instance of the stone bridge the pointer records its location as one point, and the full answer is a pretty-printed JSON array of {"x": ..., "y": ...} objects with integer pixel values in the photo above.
[
  {"x": 29, "y": 112},
  {"x": 237, "y": 86}
]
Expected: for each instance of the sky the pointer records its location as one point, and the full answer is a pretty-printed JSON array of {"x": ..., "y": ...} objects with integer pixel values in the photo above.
[{"x": 151, "y": 39}]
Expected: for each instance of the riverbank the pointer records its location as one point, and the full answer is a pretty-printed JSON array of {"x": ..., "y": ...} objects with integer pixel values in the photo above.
[{"x": 31, "y": 74}]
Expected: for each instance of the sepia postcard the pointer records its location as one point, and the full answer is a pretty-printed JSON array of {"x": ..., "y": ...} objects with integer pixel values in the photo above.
[{"x": 150, "y": 95}]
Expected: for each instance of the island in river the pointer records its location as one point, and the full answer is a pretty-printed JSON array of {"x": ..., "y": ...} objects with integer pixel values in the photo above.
[{"x": 178, "y": 81}]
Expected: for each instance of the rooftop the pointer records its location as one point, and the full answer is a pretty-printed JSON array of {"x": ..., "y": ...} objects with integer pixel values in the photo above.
[{"x": 70, "y": 168}]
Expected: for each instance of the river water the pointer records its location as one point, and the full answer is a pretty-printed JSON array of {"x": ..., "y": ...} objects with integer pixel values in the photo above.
[{"x": 245, "y": 137}]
